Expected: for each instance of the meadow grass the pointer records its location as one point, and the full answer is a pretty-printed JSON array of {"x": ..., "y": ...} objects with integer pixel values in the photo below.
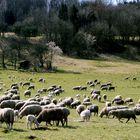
[{"x": 75, "y": 72}]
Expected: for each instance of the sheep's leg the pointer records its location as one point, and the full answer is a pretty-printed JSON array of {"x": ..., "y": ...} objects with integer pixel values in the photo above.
[
  {"x": 62, "y": 122},
  {"x": 8, "y": 126},
  {"x": 27, "y": 124},
  {"x": 30, "y": 125},
  {"x": 128, "y": 120},
  {"x": 120, "y": 120},
  {"x": 134, "y": 119}
]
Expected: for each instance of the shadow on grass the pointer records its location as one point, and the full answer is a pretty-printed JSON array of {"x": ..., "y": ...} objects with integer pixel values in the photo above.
[
  {"x": 71, "y": 127},
  {"x": 64, "y": 71},
  {"x": 19, "y": 130},
  {"x": 46, "y": 128}
]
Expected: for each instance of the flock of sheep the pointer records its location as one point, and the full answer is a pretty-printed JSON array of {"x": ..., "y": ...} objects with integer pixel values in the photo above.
[{"x": 52, "y": 111}]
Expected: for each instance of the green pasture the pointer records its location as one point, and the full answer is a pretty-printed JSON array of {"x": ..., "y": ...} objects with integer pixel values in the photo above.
[{"x": 72, "y": 73}]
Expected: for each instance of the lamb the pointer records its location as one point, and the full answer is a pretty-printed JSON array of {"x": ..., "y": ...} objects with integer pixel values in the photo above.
[
  {"x": 123, "y": 113},
  {"x": 53, "y": 114},
  {"x": 30, "y": 109},
  {"x": 94, "y": 108},
  {"x": 27, "y": 93},
  {"x": 85, "y": 115},
  {"x": 80, "y": 108},
  {"x": 7, "y": 116},
  {"x": 30, "y": 119}
]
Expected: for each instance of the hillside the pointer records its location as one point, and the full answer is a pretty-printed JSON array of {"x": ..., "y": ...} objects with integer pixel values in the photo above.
[{"x": 106, "y": 64}]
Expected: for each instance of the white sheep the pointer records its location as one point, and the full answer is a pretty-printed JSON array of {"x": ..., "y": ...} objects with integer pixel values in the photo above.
[
  {"x": 85, "y": 115},
  {"x": 31, "y": 119},
  {"x": 7, "y": 116}
]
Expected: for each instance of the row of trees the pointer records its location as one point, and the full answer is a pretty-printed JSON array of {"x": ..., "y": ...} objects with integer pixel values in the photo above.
[{"x": 80, "y": 29}]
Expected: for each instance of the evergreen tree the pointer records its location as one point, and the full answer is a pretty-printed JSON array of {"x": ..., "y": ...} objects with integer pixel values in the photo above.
[{"x": 63, "y": 12}]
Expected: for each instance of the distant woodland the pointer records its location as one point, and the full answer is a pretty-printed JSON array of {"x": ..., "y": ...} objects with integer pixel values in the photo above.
[{"x": 78, "y": 29}]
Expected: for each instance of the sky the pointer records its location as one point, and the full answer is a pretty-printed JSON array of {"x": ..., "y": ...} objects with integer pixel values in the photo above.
[{"x": 114, "y": 1}]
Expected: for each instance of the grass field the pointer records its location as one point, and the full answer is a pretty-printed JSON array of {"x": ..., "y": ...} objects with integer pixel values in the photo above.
[{"x": 74, "y": 72}]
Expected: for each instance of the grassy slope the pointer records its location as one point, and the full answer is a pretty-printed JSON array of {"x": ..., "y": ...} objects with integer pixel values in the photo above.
[{"x": 77, "y": 72}]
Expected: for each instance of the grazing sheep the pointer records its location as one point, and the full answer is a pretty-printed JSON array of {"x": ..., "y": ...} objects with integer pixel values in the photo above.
[
  {"x": 76, "y": 88},
  {"x": 105, "y": 97},
  {"x": 31, "y": 119},
  {"x": 75, "y": 103},
  {"x": 53, "y": 114},
  {"x": 117, "y": 98},
  {"x": 111, "y": 88},
  {"x": 96, "y": 92},
  {"x": 8, "y": 104},
  {"x": 86, "y": 99},
  {"x": 19, "y": 105},
  {"x": 42, "y": 80},
  {"x": 106, "y": 110},
  {"x": 104, "y": 88},
  {"x": 15, "y": 97},
  {"x": 123, "y": 113},
  {"x": 128, "y": 100},
  {"x": 119, "y": 102},
  {"x": 66, "y": 113},
  {"x": 7, "y": 116},
  {"x": 30, "y": 109},
  {"x": 31, "y": 87},
  {"x": 4, "y": 97},
  {"x": 80, "y": 108},
  {"x": 92, "y": 85},
  {"x": 99, "y": 98},
  {"x": 90, "y": 82},
  {"x": 87, "y": 103},
  {"x": 94, "y": 108},
  {"x": 68, "y": 101},
  {"x": 107, "y": 104},
  {"x": 85, "y": 115},
  {"x": 26, "y": 84},
  {"x": 83, "y": 88},
  {"x": 27, "y": 93},
  {"x": 14, "y": 84},
  {"x": 94, "y": 96}
]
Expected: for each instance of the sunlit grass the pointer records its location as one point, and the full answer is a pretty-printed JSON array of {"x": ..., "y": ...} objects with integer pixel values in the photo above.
[{"x": 97, "y": 128}]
